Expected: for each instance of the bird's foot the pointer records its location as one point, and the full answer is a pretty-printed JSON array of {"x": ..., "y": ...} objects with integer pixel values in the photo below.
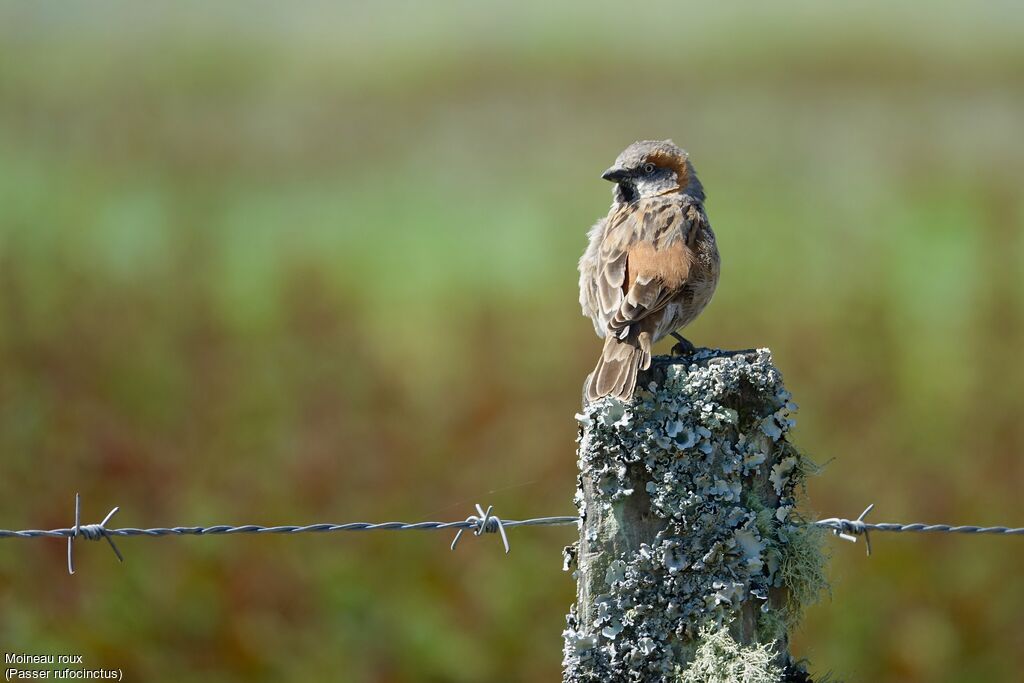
[{"x": 683, "y": 347}]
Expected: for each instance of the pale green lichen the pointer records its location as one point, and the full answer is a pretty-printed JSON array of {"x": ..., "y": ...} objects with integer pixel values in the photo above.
[
  {"x": 803, "y": 569},
  {"x": 720, "y": 659},
  {"x": 771, "y": 625},
  {"x": 695, "y": 444}
]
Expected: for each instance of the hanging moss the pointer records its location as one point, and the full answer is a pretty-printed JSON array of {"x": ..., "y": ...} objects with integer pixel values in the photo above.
[
  {"x": 804, "y": 564},
  {"x": 772, "y": 625}
]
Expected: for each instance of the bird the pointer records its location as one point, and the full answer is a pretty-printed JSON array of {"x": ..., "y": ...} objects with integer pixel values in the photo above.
[{"x": 651, "y": 265}]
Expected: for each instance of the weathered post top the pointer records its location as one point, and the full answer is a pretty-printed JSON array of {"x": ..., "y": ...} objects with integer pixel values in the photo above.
[{"x": 692, "y": 562}]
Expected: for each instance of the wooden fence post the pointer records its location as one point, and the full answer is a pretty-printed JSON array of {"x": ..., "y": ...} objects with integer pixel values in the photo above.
[{"x": 692, "y": 562}]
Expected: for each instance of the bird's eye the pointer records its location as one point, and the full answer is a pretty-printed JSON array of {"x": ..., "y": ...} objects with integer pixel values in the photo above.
[{"x": 648, "y": 168}]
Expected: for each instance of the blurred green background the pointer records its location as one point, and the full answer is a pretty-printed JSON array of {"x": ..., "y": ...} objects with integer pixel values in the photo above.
[{"x": 316, "y": 262}]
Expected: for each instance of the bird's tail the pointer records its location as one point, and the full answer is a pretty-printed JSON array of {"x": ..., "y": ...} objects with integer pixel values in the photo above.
[{"x": 617, "y": 368}]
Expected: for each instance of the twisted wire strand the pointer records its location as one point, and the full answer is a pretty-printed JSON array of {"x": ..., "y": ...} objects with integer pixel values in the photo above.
[
  {"x": 484, "y": 522},
  {"x": 94, "y": 531},
  {"x": 851, "y": 529}
]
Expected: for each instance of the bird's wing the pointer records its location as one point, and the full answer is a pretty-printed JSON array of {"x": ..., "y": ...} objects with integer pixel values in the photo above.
[
  {"x": 590, "y": 271},
  {"x": 645, "y": 259}
]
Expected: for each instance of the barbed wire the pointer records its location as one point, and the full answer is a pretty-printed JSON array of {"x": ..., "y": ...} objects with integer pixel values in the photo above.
[
  {"x": 849, "y": 530},
  {"x": 484, "y": 522}
]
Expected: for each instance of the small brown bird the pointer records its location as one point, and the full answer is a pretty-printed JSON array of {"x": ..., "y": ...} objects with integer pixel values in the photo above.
[{"x": 651, "y": 266}]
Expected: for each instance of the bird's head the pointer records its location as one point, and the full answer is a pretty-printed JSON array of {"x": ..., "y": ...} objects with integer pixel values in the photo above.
[{"x": 652, "y": 167}]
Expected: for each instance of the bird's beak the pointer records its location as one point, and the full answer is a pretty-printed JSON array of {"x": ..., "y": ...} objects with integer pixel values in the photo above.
[{"x": 615, "y": 174}]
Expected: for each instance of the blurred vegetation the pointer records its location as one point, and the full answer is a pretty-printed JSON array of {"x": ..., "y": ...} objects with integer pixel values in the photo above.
[{"x": 267, "y": 263}]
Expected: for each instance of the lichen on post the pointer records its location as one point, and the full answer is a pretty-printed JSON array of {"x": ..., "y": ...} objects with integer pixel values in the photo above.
[{"x": 693, "y": 562}]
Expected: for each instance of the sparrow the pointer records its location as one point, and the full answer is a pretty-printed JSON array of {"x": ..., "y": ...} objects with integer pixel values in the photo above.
[{"x": 651, "y": 265}]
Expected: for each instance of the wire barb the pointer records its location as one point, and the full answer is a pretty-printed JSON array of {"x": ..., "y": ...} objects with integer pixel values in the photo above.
[
  {"x": 485, "y": 523},
  {"x": 91, "y": 532},
  {"x": 849, "y": 530}
]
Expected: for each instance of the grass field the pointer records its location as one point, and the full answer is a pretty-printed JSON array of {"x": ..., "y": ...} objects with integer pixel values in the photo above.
[{"x": 317, "y": 263}]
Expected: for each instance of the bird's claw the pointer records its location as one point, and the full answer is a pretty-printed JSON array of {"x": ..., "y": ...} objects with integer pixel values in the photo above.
[{"x": 684, "y": 347}]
